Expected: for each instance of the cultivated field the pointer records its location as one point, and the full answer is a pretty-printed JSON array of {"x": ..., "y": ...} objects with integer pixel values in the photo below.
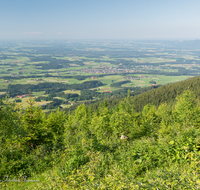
[{"x": 115, "y": 68}]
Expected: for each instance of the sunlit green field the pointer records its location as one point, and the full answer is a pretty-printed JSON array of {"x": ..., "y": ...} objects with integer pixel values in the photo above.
[
  {"x": 159, "y": 79},
  {"x": 72, "y": 92}
]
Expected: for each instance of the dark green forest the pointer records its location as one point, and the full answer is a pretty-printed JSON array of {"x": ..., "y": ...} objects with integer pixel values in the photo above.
[
  {"x": 146, "y": 141},
  {"x": 19, "y": 89}
]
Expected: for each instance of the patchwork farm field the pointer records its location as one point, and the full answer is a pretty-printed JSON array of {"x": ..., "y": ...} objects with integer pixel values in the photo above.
[{"x": 72, "y": 73}]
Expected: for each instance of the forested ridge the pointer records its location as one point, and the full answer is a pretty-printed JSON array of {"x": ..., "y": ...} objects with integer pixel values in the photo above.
[
  {"x": 167, "y": 93},
  {"x": 110, "y": 147},
  {"x": 155, "y": 95}
]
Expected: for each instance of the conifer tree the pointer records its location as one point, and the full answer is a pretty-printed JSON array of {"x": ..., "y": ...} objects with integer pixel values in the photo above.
[
  {"x": 10, "y": 123},
  {"x": 36, "y": 132},
  {"x": 100, "y": 124},
  {"x": 55, "y": 128},
  {"x": 184, "y": 108}
]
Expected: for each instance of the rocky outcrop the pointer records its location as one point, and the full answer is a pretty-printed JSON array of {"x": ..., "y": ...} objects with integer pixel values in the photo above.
[{"x": 124, "y": 137}]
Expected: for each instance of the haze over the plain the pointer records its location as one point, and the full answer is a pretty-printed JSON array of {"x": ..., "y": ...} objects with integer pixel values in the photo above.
[{"x": 105, "y": 19}]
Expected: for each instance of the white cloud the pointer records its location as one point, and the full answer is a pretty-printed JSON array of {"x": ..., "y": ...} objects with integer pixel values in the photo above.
[
  {"x": 32, "y": 33},
  {"x": 61, "y": 33}
]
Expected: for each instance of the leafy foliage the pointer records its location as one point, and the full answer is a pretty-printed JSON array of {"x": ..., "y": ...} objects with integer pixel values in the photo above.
[{"x": 83, "y": 150}]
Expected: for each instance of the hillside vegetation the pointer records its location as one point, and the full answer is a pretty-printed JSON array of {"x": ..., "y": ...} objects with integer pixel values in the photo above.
[
  {"x": 154, "y": 95},
  {"x": 84, "y": 149},
  {"x": 167, "y": 93}
]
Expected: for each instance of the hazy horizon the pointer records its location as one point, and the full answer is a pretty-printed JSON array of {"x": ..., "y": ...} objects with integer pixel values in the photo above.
[{"x": 100, "y": 20}]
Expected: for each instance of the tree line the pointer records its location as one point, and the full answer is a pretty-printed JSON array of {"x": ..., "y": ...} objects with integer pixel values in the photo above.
[{"x": 19, "y": 89}]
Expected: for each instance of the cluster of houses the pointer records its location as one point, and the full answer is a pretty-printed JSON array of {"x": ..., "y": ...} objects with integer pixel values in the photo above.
[
  {"x": 93, "y": 78},
  {"x": 21, "y": 96},
  {"x": 104, "y": 70},
  {"x": 6, "y": 81},
  {"x": 136, "y": 78}
]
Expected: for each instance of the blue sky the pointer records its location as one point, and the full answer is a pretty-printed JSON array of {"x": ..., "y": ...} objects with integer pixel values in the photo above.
[{"x": 99, "y": 19}]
